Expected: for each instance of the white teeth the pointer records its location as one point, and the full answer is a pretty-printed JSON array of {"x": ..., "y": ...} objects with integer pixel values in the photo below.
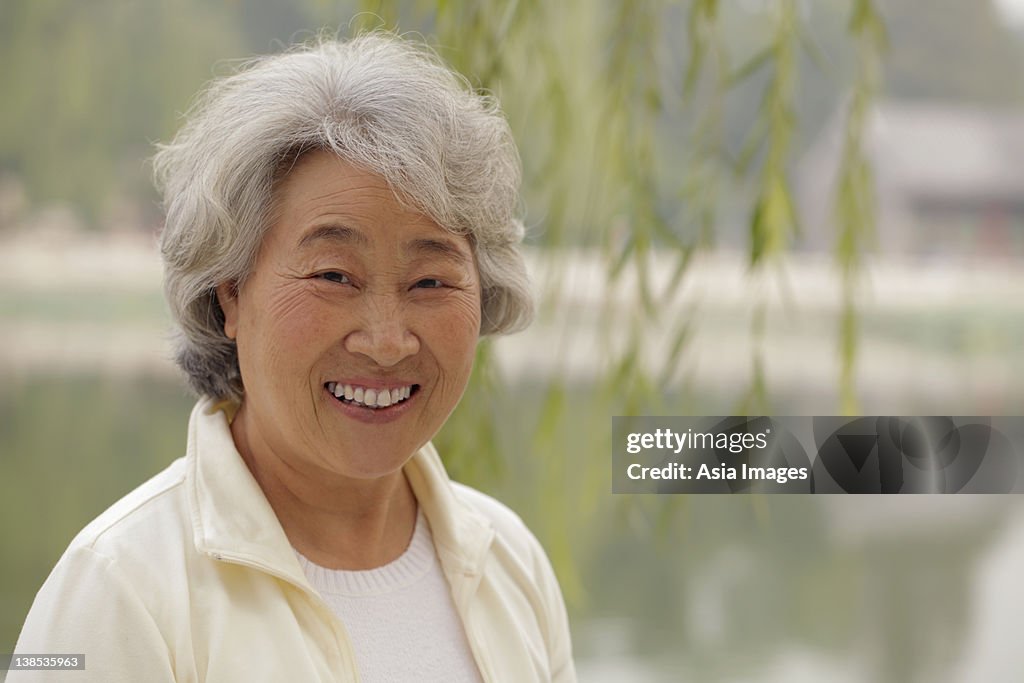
[{"x": 371, "y": 398}]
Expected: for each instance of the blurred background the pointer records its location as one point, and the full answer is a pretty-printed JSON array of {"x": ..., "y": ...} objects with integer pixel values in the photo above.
[{"x": 758, "y": 206}]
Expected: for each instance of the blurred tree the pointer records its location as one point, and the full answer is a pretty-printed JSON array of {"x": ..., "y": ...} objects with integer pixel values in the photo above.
[{"x": 88, "y": 87}]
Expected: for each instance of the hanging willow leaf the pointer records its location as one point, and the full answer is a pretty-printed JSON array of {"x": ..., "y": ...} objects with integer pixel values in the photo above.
[
  {"x": 854, "y": 208},
  {"x": 752, "y": 65}
]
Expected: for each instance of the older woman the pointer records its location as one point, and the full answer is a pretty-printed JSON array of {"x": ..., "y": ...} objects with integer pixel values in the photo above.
[{"x": 340, "y": 231}]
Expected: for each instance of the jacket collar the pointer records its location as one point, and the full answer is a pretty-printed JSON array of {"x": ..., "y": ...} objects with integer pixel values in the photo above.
[{"x": 233, "y": 521}]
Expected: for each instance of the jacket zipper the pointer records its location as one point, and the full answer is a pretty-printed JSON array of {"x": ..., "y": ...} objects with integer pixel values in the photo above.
[{"x": 341, "y": 635}]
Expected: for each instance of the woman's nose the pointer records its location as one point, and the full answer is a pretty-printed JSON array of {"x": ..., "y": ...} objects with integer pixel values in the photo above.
[{"x": 382, "y": 334}]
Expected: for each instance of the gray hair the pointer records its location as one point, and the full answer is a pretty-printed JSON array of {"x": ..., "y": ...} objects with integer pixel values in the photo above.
[{"x": 378, "y": 101}]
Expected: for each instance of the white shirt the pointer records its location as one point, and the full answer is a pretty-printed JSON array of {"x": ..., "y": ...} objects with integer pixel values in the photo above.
[{"x": 400, "y": 617}]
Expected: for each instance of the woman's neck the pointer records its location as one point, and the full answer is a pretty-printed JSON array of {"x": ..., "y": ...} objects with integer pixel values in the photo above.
[{"x": 335, "y": 521}]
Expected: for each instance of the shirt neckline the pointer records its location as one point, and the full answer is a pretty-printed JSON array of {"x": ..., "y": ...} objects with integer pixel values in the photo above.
[{"x": 409, "y": 567}]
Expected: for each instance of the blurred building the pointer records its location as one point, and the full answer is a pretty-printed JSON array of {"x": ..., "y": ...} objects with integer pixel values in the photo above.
[{"x": 949, "y": 180}]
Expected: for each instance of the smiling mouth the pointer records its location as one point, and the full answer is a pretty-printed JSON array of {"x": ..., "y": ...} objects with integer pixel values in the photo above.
[{"x": 373, "y": 399}]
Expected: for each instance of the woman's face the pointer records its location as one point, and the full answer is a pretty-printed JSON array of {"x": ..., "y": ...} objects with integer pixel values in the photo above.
[{"x": 352, "y": 294}]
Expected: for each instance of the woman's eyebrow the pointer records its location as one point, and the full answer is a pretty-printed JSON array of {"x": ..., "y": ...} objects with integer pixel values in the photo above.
[
  {"x": 422, "y": 246},
  {"x": 430, "y": 246},
  {"x": 333, "y": 233}
]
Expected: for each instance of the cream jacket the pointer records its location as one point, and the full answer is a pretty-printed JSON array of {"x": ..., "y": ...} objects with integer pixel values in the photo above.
[{"x": 191, "y": 578}]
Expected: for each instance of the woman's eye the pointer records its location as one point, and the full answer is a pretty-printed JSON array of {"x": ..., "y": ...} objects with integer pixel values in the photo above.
[
  {"x": 430, "y": 283},
  {"x": 334, "y": 276}
]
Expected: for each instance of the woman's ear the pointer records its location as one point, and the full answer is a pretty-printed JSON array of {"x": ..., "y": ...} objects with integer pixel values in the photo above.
[{"x": 227, "y": 297}]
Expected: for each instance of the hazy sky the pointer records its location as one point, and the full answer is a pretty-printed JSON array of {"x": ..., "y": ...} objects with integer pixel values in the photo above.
[{"x": 1013, "y": 11}]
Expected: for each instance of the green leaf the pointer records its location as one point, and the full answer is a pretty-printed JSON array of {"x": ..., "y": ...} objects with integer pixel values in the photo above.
[{"x": 753, "y": 64}]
